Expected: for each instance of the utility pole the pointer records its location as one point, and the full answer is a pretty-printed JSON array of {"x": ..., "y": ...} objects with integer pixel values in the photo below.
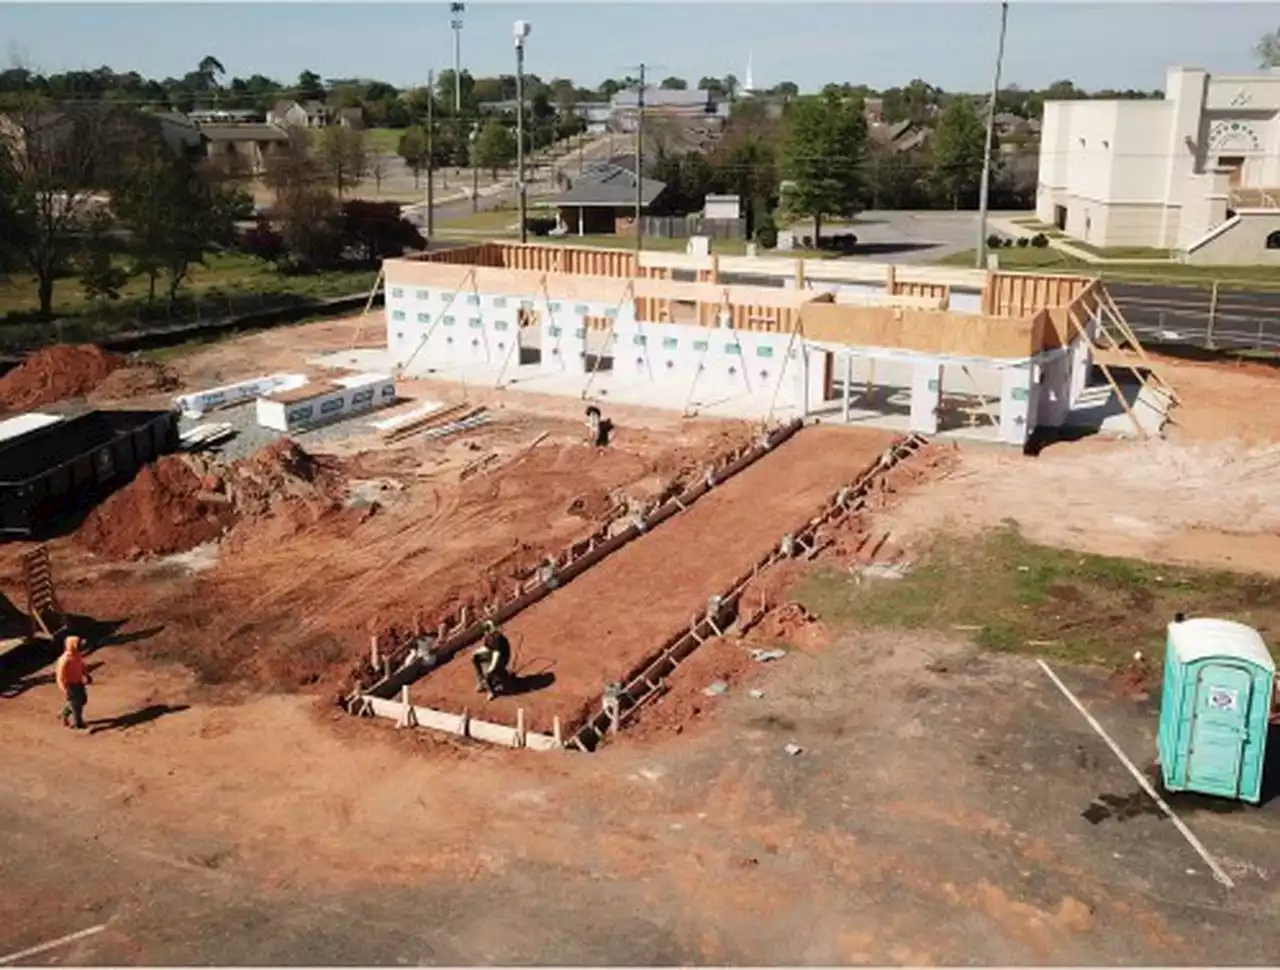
[
  {"x": 639, "y": 160},
  {"x": 457, "y": 9},
  {"x": 521, "y": 31},
  {"x": 984, "y": 189},
  {"x": 431, "y": 152}
]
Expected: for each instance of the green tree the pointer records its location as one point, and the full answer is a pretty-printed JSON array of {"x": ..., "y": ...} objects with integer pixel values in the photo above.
[
  {"x": 674, "y": 84},
  {"x": 958, "y": 145},
  {"x": 310, "y": 87},
  {"x": 413, "y": 149},
  {"x": 101, "y": 275},
  {"x": 51, "y": 166},
  {"x": 494, "y": 147},
  {"x": 343, "y": 155},
  {"x": 210, "y": 71},
  {"x": 823, "y": 157},
  {"x": 1268, "y": 49},
  {"x": 174, "y": 213}
]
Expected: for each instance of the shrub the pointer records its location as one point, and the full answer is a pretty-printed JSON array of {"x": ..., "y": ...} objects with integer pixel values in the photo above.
[
  {"x": 767, "y": 232},
  {"x": 806, "y": 242},
  {"x": 1040, "y": 240},
  {"x": 1023, "y": 241},
  {"x": 540, "y": 225},
  {"x": 995, "y": 241},
  {"x": 263, "y": 241}
]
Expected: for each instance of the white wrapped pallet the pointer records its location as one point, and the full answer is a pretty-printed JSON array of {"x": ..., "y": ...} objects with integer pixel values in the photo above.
[
  {"x": 198, "y": 403},
  {"x": 324, "y": 402}
]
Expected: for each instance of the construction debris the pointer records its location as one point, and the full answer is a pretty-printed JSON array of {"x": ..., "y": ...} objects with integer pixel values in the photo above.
[
  {"x": 206, "y": 436},
  {"x": 765, "y": 656}
]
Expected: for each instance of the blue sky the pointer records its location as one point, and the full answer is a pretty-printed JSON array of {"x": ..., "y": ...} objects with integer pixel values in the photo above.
[{"x": 1115, "y": 45}]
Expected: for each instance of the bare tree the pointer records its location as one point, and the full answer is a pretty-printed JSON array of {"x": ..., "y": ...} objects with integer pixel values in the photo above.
[
  {"x": 343, "y": 155},
  {"x": 377, "y": 168},
  {"x": 53, "y": 161}
]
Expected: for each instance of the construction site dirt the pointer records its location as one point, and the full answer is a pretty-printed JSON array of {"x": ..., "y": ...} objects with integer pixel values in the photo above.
[
  {"x": 599, "y": 627},
  {"x": 315, "y": 552}
]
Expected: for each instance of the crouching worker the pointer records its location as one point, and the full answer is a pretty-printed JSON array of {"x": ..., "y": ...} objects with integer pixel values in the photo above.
[
  {"x": 73, "y": 678},
  {"x": 492, "y": 660}
]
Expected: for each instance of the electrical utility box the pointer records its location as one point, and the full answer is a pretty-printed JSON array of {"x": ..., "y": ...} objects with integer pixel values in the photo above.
[{"x": 1218, "y": 679}]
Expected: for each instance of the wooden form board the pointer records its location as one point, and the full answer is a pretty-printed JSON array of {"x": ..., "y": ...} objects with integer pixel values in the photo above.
[
  {"x": 925, "y": 331},
  {"x": 1023, "y": 294}
]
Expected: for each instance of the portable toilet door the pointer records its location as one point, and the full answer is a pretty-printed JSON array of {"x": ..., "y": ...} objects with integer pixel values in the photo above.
[{"x": 1214, "y": 708}]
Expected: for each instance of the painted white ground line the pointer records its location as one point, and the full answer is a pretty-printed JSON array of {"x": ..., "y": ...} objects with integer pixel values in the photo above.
[
  {"x": 1141, "y": 779},
  {"x": 52, "y": 944}
]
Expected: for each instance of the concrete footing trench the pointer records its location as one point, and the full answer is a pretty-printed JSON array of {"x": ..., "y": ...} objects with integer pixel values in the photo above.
[{"x": 597, "y": 633}]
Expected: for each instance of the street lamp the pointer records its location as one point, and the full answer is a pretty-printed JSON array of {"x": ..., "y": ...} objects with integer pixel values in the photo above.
[
  {"x": 457, "y": 10},
  {"x": 520, "y": 30}
]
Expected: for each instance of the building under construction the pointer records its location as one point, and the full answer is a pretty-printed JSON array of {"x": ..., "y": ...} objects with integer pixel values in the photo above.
[{"x": 987, "y": 355}]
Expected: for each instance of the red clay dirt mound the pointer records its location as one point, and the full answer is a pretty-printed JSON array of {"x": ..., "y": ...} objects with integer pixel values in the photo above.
[
  {"x": 56, "y": 373},
  {"x": 136, "y": 380},
  {"x": 165, "y": 509}
]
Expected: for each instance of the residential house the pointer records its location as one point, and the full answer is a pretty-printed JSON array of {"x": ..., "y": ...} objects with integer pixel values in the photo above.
[
  {"x": 904, "y": 136},
  {"x": 1197, "y": 171},
  {"x": 222, "y": 116},
  {"x": 603, "y": 201},
  {"x": 873, "y": 110},
  {"x": 352, "y": 118},
  {"x": 245, "y": 149},
  {"x": 305, "y": 114}
]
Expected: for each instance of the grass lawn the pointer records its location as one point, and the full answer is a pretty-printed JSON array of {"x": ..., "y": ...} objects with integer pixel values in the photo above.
[
  {"x": 230, "y": 281},
  {"x": 495, "y": 221},
  {"x": 1123, "y": 252},
  {"x": 1013, "y": 595},
  {"x": 1031, "y": 259}
]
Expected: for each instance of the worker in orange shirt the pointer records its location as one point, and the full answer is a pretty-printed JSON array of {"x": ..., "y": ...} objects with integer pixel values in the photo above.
[{"x": 73, "y": 680}]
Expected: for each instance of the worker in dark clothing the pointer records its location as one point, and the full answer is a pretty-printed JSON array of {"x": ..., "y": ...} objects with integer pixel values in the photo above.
[
  {"x": 492, "y": 660},
  {"x": 599, "y": 427},
  {"x": 73, "y": 678}
]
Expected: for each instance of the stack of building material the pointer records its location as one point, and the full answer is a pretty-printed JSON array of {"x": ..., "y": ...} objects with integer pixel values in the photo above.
[
  {"x": 205, "y": 436},
  {"x": 314, "y": 404},
  {"x": 437, "y": 423},
  {"x": 195, "y": 405}
]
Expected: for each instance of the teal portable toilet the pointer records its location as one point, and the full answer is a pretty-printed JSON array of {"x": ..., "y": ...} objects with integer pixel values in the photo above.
[{"x": 1214, "y": 708}]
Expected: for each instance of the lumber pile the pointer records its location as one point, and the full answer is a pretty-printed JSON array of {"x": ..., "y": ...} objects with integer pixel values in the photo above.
[{"x": 437, "y": 423}]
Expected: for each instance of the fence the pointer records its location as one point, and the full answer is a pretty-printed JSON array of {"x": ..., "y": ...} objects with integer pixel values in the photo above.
[
  {"x": 1225, "y": 316},
  {"x": 191, "y": 318},
  {"x": 682, "y": 227}
]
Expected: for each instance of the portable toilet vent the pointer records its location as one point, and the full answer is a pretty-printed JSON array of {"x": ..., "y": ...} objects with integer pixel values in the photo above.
[{"x": 1214, "y": 709}]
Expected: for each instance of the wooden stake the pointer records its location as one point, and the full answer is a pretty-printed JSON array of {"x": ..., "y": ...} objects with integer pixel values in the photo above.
[
  {"x": 555, "y": 731},
  {"x": 374, "y": 661},
  {"x": 519, "y": 738}
]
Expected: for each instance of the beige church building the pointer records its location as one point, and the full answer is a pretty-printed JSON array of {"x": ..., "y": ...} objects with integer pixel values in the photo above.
[{"x": 1197, "y": 172}]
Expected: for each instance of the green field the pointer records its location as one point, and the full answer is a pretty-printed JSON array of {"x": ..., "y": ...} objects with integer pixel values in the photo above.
[
  {"x": 229, "y": 283},
  {"x": 1013, "y": 595}
]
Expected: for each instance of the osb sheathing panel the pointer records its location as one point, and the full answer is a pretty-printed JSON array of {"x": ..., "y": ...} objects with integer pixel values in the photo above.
[
  {"x": 485, "y": 279},
  {"x": 1022, "y": 294},
  {"x": 924, "y": 331}
]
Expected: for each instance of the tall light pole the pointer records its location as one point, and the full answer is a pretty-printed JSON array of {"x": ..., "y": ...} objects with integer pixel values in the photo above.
[
  {"x": 431, "y": 154},
  {"x": 457, "y": 9},
  {"x": 640, "y": 163},
  {"x": 520, "y": 31},
  {"x": 984, "y": 190}
]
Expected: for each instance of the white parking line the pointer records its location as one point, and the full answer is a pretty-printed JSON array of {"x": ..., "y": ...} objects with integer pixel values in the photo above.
[
  {"x": 1141, "y": 779},
  {"x": 52, "y": 944}
]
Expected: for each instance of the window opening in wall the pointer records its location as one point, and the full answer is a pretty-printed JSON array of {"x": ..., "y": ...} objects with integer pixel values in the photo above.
[{"x": 1273, "y": 240}]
